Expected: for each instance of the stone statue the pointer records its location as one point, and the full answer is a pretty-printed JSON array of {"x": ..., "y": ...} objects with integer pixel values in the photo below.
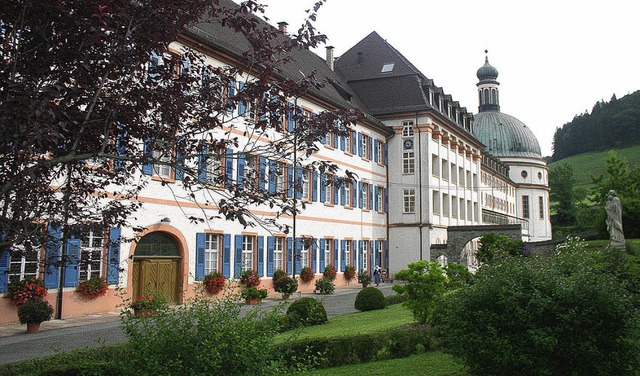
[{"x": 614, "y": 220}]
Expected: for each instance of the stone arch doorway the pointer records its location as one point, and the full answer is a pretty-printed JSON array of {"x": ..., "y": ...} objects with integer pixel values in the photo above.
[
  {"x": 157, "y": 266},
  {"x": 459, "y": 236}
]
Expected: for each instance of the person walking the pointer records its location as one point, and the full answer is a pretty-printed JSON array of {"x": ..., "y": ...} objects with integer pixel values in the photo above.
[{"x": 377, "y": 274}]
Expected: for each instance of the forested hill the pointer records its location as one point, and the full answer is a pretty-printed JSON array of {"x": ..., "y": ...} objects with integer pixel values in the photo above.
[{"x": 612, "y": 124}]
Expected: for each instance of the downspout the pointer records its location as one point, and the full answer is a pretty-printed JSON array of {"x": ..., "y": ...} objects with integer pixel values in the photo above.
[
  {"x": 294, "y": 252},
  {"x": 420, "y": 224}
]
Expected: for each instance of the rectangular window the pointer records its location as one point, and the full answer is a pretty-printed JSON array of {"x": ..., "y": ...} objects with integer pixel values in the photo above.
[
  {"x": 365, "y": 196},
  {"x": 211, "y": 253},
  {"x": 409, "y": 201},
  {"x": 328, "y": 189},
  {"x": 365, "y": 252},
  {"x": 328, "y": 245},
  {"x": 445, "y": 205},
  {"x": 541, "y": 206},
  {"x": 247, "y": 252},
  {"x": 281, "y": 177},
  {"x": 304, "y": 255},
  {"x": 365, "y": 146},
  {"x": 469, "y": 179},
  {"x": 160, "y": 169},
  {"x": 454, "y": 173},
  {"x": 445, "y": 169},
  {"x": 379, "y": 151},
  {"x": 408, "y": 162},
  {"x": 306, "y": 185},
  {"x": 92, "y": 244},
  {"x": 347, "y": 141},
  {"x": 278, "y": 253},
  {"x": 348, "y": 185},
  {"x": 454, "y": 207},
  {"x": 380, "y": 198},
  {"x": 347, "y": 252},
  {"x": 475, "y": 182},
  {"x": 407, "y": 129},
  {"x": 462, "y": 216},
  {"x": 436, "y": 202},
  {"x": 461, "y": 176},
  {"x": 435, "y": 165},
  {"x": 328, "y": 141},
  {"x": 469, "y": 212},
  {"x": 21, "y": 267},
  {"x": 525, "y": 206},
  {"x": 214, "y": 169}
]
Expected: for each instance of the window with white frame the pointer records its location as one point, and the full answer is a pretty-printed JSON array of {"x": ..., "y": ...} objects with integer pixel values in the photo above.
[
  {"x": 211, "y": 253},
  {"x": 280, "y": 176},
  {"x": 408, "y": 162},
  {"x": 329, "y": 140},
  {"x": 347, "y": 141},
  {"x": 365, "y": 146},
  {"x": 379, "y": 151},
  {"x": 161, "y": 169},
  {"x": 328, "y": 244},
  {"x": 304, "y": 255},
  {"x": 525, "y": 206},
  {"x": 214, "y": 168},
  {"x": 247, "y": 252},
  {"x": 409, "y": 200},
  {"x": 379, "y": 198},
  {"x": 365, "y": 252},
  {"x": 328, "y": 189},
  {"x": 92, "y": 245},
  {"x": 365, "y": 196},
  {"x": 347, "y": 192},
  {"x": 347, "y": 252},
  {"x": 21, "y": 267},
  {"x": 278, "y": 253},
  {"x": 306, "y": 184},
  {"x": 407, "y": 129}
]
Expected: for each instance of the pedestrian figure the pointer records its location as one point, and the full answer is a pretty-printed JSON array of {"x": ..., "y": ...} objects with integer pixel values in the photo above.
[{"x": 377, "y": 274}]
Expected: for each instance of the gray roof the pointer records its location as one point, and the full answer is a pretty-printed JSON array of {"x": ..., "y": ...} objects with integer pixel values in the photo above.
[{"x": 504, "y": 135}]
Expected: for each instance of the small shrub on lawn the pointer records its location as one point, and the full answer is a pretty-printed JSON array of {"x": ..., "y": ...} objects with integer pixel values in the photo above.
[
  {"x": 370, "y": 298},
  {"x": 325, "y": 286},
  {"x": 395, "y": 299},
  {"x": 306, "y": 311}
]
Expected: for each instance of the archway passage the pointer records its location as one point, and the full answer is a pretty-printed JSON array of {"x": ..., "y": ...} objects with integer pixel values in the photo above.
[
  {"x": 156, "y": 266},
  {"x": 459, "y": 236}
]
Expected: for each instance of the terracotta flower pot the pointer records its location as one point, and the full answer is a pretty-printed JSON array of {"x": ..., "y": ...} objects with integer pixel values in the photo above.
[
  {"x": 285, "y": 296},
  {"x": 252, "y": 301},
  {"x": 33, "y": 327}
]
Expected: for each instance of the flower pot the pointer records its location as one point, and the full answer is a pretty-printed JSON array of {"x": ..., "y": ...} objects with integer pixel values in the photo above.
[
  {"x": 33, "y": 327},
  {"x": 252, "y": 301},
  {"x": 285, "y": 296},
  {"x": 364, "y": 285}
]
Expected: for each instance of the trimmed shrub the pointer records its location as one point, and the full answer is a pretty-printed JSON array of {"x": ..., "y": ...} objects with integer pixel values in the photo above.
[
  {"x": 370, "y": 298},
  {"x": 325, "y": 286},
  {"x": 395, "y": 299},
  {"x": 307, "y": 311}
]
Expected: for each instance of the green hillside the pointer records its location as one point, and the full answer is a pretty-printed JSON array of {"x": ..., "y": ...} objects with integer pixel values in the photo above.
[{"x": 592, "y": 163}]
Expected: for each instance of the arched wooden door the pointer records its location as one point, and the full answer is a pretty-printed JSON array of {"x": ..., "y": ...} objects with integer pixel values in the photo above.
[{"x": 156, "y": 266}]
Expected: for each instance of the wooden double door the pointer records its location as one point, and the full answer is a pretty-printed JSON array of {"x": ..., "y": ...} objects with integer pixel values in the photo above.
[{"x": 157, "y": 274}]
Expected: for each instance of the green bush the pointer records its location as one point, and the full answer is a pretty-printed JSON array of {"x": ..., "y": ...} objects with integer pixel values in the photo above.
[
  {"x": 325, "y": 286},
  {"x": 370, "y": 298},
  {"x": 35, "y": 311},
  {"x": 203, "y": 337},
  {"x": 566, "y": 313},
  {"x": 395, "y": 299},
  {"x": 306, "y": 311}
]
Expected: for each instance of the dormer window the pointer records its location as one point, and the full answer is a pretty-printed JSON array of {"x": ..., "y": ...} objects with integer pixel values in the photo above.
[
  {"x": 387, "y": 68},
  {"x": 430, "y": 97}
]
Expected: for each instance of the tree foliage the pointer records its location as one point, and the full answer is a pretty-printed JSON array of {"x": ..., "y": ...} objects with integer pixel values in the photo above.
[
  {"x": 563, "y": 196},
  {"x": 92, "y": 93},
  {"x": 567, "y": 313},
  {"x": 496, "y": 246},
  {"x": 612, "y": 124}
]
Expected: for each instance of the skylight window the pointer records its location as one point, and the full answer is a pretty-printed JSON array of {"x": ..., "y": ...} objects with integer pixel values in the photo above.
[{"x": 388, "y": 67}]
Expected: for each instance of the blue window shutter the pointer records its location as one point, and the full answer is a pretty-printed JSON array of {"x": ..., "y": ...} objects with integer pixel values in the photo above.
[
  {"x": 342, "y": 194},
  {"x": 386, "y": 254},
  {"x": 261, "y": 255},
  {"x": 289, "y": 255},
  {"x": 323, "y": 139},
  {"x": 314, "y": 186},
  {"x": 180, "y": 145},
  {"x": 121, "y": 136},
  {"x": 386, "y": 154},
  {"x": 202, "y": 164},
  {"x": 200, "y": 245},
  {"x": 360, "y": 254},
  {"x": 270, "y": 248},
  {"x": 240, "y": 172},
  {"x": 354, "y": 194},
  {"x": 273, "y": 176},
  {"x": 360, "y": 197},
  {"x": 359, "y": 144},
  {"x": 369, "y": 147},
  {"x": 343, "y": 247},
  {"x": 228, "y": 160},
  {"x": 336, "y": 191},
  {"x": 335, "y": 253},
  {"x": 242, "y": 108},
  {"x": 113, "y": 258},
  {"x": 370, "y": 196},
  {"x": 290, "y": 117},
  {"x": 335, "y": 140},
  {"x": 375, "y": 202},
  {"x": 323, "y": 193},
  {"x": 52, "y": 256},
  {"x": 371, "y": 259},
  {"x": 147, "y": 151},
  {"x": 262, "y": 176},
  {"x": 298, "y": 182},
  {"x": 71, "y": 270},
  {"x": 354, "y": 142},
  {"x": 226, "y": 256},
  {"x": 5, "y": 261},
  {"x": 375, "y": 150},
  {"x": 343, "y": 141},
  {"x": 298, "y": 251},
  {"x": 322, "y": 263},
  {"x": 238, "y": 257},
  {"x": 290, "y": 180},
  {"x": 314, "y": 257},
  {"x": 386, "y": 200},
  {"x": 231, "y": 91}
]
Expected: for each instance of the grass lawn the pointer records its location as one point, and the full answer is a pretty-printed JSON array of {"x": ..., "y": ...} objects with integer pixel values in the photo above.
[
  {"x": 433, "y": 363},
  {"x": 355, "y": 323}
]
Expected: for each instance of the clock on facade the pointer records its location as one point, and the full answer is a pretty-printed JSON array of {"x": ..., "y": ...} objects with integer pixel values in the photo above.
[{"x": 408, "y": 143}]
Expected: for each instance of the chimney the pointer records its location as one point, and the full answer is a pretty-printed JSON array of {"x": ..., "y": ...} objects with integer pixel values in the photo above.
[
  {"x": 282, "y": 26},
  {"x": 330, "y": 57}
]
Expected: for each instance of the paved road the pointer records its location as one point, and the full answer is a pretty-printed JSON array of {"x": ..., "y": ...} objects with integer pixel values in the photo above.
[{"x": 96, "y": 330}]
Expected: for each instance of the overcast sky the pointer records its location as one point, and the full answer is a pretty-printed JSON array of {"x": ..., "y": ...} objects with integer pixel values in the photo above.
[{"x": 555, "y": 58}]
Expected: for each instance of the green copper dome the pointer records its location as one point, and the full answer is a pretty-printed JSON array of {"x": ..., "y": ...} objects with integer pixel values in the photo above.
[
  {"x": 504, "y": 135},
  {"x": 487, "y": 71}
]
